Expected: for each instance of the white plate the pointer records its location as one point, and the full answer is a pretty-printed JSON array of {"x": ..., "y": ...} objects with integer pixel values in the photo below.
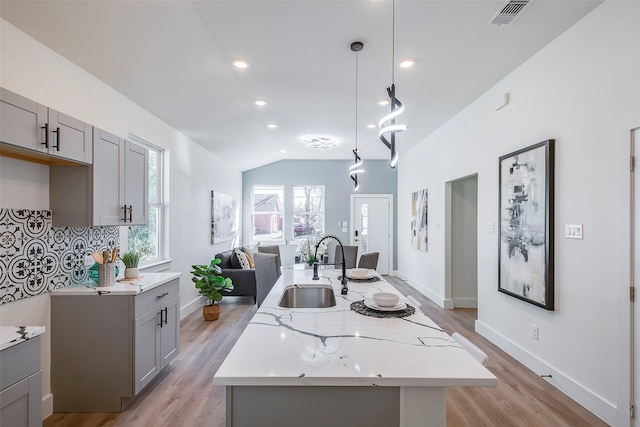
[
  {"x": 368, "y": 276},
  {"x": 372, "y": 305}
]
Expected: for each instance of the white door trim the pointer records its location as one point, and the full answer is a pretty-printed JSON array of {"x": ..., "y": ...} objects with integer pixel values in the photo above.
[{"x": 352, "y": 214}]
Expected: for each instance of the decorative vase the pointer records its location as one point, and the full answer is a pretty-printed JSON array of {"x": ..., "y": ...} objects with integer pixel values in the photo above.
[
  {"x": 211, "y": 312},
  {"x": 131, "y": 273}
]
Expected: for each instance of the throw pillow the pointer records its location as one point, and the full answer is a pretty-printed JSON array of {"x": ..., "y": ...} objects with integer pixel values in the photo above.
[
  {"x": 242, "y": 259},
  {"x": 249, "y": 251}
]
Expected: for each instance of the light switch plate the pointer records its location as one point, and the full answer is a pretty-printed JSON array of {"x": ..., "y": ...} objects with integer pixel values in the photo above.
[{"x": 573, "y": 231}]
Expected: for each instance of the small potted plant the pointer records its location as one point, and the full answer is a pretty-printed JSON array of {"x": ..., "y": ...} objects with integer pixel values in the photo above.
[
  {"x": 130, "y": 261},
  {"x": 209, "y": 283}
]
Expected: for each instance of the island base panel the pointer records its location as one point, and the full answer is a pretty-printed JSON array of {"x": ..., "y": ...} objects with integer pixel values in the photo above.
[
  {"x": 250, "y": 406},
  {"x": 422, "y": 407}
]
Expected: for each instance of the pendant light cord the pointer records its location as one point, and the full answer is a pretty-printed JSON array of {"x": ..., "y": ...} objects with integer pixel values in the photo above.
[
  {"x": 356, "y": 101},
  {"x": 393, "y": 41}
]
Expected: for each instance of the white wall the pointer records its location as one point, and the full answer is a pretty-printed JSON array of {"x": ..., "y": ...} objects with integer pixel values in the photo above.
[
  {"x": 580, "y": 89},
  {"x": 32, "y": 70}
]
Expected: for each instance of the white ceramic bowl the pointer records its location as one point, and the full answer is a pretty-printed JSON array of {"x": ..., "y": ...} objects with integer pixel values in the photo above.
[
  {"x": 384, "y": 299},
  {"x": 360, "y": 272}
]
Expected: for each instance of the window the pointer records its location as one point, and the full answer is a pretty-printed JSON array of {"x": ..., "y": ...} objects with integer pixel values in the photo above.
[
  {"x": 268, "y": 213},
  {"x": 308, "y": 210},
  {"x": 147, "y": 239}
]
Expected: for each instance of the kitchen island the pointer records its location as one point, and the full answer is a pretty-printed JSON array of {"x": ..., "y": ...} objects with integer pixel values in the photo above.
[{"x": 333, "y": 366}]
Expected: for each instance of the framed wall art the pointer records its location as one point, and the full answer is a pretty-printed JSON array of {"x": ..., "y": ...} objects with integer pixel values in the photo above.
[
  {"x": 419, "y": 205},
  {"x": 525, "y": 266},
  {"x": 224, "y": 217}
]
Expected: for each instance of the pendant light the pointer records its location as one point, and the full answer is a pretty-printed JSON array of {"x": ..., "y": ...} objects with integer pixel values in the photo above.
[
  {"x": 387, "y": 124},
  {"x": 356, "y": 169}
]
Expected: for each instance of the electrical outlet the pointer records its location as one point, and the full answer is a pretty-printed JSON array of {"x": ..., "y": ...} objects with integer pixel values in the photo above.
[
  {"x": 534, "y": 332},
  {"x": 88, "y": 260}
]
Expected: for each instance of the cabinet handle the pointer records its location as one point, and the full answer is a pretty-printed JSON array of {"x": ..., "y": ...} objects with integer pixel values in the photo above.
[
  {"x": 46, "y": 135},
  {"x": 125, "y": 213},
  {"x": 57, "y": 132},
  {"x": 166, "y": 315},
  {"x": 162, "y": 295},
  {"x": 131, "y": 213},
  {"x": 160, "y": 324}
]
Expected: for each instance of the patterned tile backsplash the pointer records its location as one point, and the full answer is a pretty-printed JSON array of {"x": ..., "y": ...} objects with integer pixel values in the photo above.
[{"x": 36, "y": 257}]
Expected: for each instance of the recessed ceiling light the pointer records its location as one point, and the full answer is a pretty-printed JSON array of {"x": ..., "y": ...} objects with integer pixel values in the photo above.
[
  {"x": 371, "y": 125},
  {"x": 407, "y": 63},
  {"x": 272, "y": 125},
  {"x": 283, "y": 151},
  {"x": 240, "y": 63},
  {"x": 383, "y": 102},
  {"x": 260, "y": 102}
]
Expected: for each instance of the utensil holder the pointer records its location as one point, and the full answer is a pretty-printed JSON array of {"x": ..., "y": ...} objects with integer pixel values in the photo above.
[{"x": 107, "y": 274}]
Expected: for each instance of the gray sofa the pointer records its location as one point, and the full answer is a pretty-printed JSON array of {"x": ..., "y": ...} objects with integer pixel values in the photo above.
[{"x": 255, "y": 282}]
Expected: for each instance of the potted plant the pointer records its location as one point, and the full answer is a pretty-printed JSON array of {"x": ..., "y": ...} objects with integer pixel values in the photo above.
[
  {"x": 130, "y": 261},
  {"x": 209, "y": 283}
]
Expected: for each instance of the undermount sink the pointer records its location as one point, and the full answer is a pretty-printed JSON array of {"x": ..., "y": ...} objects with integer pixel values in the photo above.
[{"x": 307, "y": 296}]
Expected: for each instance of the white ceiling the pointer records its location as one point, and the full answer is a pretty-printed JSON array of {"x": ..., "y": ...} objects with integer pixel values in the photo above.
[{"x": 173, "y": 58}]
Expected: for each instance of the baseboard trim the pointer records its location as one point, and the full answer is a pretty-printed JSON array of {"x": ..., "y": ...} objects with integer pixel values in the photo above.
[
  {"x": 606, "y": 411},
  {"x": 47, "y": 406},
  {"x": 415, "y": 284},
  {"x": 192, "y": 306},
  {"x": 465, "y": 302}
]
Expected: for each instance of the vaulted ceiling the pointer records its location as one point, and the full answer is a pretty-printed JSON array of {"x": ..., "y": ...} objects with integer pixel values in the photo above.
[{"x": 174, "y": 59}]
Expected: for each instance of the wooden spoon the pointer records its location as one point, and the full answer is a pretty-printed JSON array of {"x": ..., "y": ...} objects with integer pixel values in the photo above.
[
  {"x": 105, "y": 257},
  {"x": 98, "y": 257},
  {"x": 114, "y": 255}
]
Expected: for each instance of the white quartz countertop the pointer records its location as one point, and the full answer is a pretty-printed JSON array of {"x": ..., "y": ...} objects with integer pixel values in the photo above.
[
  {"x": 13, "y": 335},
  {"x": 145, "y": 282},
  {"x": 339, "y": 347}
]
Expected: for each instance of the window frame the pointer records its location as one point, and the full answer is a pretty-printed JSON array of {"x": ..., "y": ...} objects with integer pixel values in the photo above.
[
  {"x": 282, "y": 213},
  {"x": 296, "y": 213},
  {"x": 159, "y": 204}
]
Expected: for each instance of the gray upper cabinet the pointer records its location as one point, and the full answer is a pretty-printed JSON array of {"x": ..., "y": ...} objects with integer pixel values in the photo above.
[
  {"x": 26, "y": 124},
  {"x": 113, "y": 191}
]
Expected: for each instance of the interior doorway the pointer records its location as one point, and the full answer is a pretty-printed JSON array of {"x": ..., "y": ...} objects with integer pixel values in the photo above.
[
  {"x": 461, "y": 243},
  {"x": 372, "y": 227}
]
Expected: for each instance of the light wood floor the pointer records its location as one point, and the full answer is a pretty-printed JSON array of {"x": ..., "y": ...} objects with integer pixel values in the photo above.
[{"x": 184, "y": 395}]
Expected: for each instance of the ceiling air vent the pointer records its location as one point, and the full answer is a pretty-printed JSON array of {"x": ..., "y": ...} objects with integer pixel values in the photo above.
[{"x": 509, "y": 12}]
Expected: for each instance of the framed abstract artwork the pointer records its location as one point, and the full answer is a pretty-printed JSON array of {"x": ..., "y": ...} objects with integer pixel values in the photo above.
[
  {"x": 419, "y": 205},
  {"x": 525, "y": 252},
  {"x": 224, "y": 217}
]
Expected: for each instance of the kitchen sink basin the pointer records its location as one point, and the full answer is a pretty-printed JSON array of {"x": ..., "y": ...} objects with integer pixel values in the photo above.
[{"x": 307, "y": 296}]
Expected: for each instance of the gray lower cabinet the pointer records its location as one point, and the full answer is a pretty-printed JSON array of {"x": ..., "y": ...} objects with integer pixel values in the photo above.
[
  {"x": 26, "y": 124},
  {"x": 106, "y": 348},
  {"x": 113, "y": 191},
  {"x": 21, "y": 385}
]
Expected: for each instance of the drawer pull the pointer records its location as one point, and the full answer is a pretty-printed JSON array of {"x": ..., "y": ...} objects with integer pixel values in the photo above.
[{"x": 162, "y": 295}]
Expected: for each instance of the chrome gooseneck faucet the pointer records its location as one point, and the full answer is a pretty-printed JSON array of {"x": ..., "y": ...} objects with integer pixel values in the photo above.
[{"x": 345, "y": 288}]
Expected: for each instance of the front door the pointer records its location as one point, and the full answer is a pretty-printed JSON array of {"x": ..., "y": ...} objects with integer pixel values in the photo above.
[{"x": 372, "y": 222}]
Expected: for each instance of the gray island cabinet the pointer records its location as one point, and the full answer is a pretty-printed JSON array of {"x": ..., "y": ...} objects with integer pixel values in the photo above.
[{"x": 108, "y": 343}]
